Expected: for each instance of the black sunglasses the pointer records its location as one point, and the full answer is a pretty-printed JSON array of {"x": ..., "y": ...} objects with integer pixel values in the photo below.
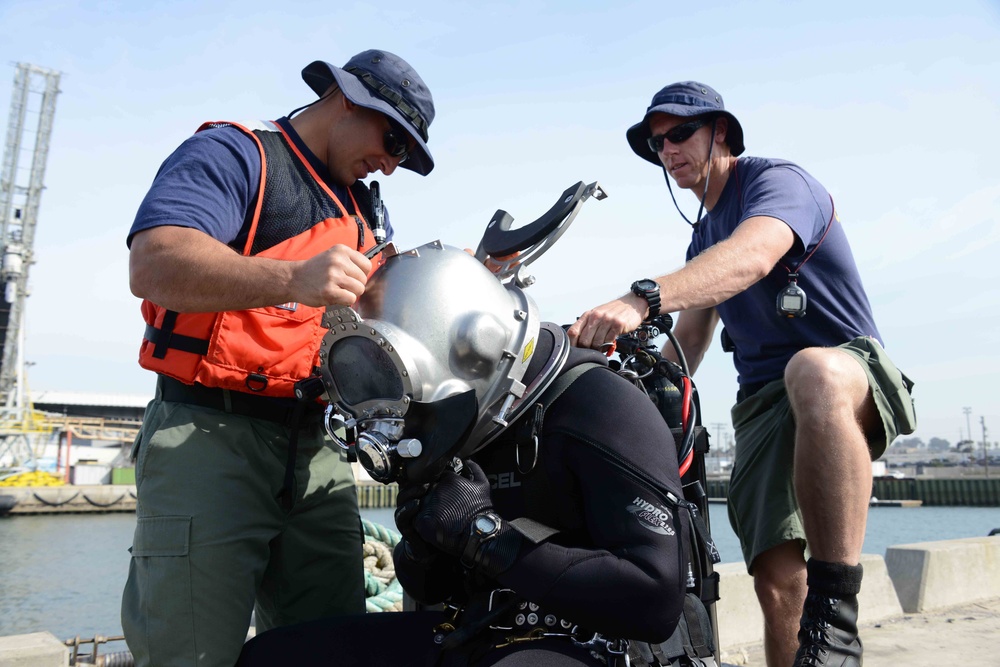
[
  {"x": 679, "y": 134},
  {"x": 396, "y": 141}
]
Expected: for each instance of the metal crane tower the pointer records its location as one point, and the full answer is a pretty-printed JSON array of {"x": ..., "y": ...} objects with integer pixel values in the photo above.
[{"x": 29, "y": 129}]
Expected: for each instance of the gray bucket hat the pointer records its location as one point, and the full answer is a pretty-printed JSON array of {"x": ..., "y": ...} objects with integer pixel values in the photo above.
[
  {"x": 687, "y": 98},
  {"x": 383, "y": 81}
]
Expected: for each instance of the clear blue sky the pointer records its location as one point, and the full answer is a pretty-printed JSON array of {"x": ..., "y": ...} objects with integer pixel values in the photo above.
[{"x": 893, "y": 105}]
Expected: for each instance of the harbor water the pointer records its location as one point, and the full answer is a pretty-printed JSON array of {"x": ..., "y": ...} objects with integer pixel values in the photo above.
[{"x": 64, "y": 573}]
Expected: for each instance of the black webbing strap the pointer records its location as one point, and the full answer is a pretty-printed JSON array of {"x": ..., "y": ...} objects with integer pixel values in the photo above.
[
  {"x": 700, "y": 529},
  {"x": 536, "y": 531},
  {"x": 692, "y": 637},
  {"x": 699, "y": 627},
  {"x": 476, "y": 617},
  {"x": 288, "y": 488},
  {"x": 363, "y": 197},
  {"x": 392, "y": 97},
  {"x": 165, "y": 339},
  {"x": 563, "y": 381}
]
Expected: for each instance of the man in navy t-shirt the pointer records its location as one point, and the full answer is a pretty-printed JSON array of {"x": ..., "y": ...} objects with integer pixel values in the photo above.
[{"x": 818, "y": 400}]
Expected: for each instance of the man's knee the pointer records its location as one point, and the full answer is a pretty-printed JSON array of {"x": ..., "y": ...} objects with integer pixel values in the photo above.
[{"x": 822, "y": 378}]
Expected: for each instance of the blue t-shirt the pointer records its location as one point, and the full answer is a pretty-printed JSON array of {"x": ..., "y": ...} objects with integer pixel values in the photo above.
[
  {"x": 210, "y": 181},
  {"x": 837, "y": 308}
]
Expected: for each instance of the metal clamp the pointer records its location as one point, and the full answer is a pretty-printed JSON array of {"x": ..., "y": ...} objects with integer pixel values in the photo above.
[{"x": 331, "y": 420}]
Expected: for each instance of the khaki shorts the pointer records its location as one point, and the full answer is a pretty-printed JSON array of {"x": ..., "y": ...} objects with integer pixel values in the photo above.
[{"x": 763, "y": 510}]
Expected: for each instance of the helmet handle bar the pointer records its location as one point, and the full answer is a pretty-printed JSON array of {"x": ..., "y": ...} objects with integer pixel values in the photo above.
[{"x": 533, "y": 239}]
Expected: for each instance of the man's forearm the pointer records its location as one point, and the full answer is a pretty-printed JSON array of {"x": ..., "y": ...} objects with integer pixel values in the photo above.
[
  {"x": 728, "y": 267},
  {"x": 187, "y": 271}
]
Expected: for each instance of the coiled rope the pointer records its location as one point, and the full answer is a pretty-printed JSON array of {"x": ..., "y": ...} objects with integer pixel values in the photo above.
[{"x": 382, "y": 590}]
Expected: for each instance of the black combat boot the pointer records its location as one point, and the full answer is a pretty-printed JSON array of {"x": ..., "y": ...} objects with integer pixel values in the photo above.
[{"x": 828, "y": 630}]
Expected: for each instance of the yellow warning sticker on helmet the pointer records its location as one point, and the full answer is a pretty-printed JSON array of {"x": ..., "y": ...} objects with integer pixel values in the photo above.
[{"x": 528, "y": 349}]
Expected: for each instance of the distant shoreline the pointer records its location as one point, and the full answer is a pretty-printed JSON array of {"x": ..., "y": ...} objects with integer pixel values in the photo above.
[{"x": 102, "y": 498}]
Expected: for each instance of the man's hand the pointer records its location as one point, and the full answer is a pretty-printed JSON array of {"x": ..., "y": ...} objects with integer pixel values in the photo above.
[
  {"x": 600, "y": 326},
  {"x": 335, "y": 277}
]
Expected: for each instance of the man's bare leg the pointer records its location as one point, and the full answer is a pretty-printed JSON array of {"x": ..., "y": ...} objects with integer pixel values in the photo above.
[
  {"x": 833, "y": 408},
  {"x": 834, "y": 411},
  {"x": 779, "y": 579}
]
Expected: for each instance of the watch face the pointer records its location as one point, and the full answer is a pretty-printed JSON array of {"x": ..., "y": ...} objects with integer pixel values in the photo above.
[
  {"x": 647, "y": 285},
  {"x": 486, "y": 524}
]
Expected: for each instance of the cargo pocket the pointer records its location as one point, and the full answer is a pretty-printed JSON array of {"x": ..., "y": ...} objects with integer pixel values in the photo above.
[
  {"x": 903, "y": 408},
  {"x": 157, "y": 606},
  {"x": 895, "y": 387},
  {"x": 134, "y": 452}
]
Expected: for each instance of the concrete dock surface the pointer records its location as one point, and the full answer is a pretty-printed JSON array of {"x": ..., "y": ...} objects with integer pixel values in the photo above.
[
  {"x": 967, "y": 635},
  {"x": 928, "y": 603},
  {"x": 923, "y": 604}
]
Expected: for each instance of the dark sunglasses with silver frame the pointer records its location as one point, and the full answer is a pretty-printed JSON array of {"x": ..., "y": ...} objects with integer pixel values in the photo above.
[{"x": 678, "y": 134}]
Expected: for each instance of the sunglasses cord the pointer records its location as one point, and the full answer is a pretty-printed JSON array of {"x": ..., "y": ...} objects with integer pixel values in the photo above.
[
  {"x": 708, "y": 180},
  {"x": 317, "y": 101}
]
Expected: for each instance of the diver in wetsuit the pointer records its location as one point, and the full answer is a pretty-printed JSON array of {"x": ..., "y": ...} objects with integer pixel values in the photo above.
[{"x": 564, "y": 533}]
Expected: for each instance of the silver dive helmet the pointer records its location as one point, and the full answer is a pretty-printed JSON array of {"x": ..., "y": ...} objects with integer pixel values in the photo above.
[{"x": 429, "y": 364}]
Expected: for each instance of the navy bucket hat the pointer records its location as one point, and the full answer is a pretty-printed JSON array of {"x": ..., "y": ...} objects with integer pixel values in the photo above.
[
  {"x": 384, "y": 82},
  {"x": 687, "y": 98}
]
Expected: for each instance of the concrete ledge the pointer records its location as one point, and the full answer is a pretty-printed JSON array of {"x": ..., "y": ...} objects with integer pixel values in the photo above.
[
  {"x": 932, "y": 575},
  {"x": 878, "y": 600},
  {"x": 740, "y": 618},
  {"x": 38, "y": 649},
  {"x": 72, "y": 499}
]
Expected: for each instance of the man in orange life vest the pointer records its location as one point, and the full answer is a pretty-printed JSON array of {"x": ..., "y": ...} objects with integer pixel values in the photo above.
[{"x": 248, "y": 232}]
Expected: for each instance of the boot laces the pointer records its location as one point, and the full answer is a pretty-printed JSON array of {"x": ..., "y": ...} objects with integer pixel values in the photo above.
[{"x": 819, "y": 611}]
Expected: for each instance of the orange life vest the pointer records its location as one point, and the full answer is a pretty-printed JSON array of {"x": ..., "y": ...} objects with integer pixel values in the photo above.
[{"x": 262, "y": 350}]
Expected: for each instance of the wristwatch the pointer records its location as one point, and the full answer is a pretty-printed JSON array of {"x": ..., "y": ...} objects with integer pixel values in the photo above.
[
  {"x": 483, "y": 529},
  {"x": 650, "y": 291}
]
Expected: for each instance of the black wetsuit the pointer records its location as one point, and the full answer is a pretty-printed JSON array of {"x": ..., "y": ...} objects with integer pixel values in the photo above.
[{"x": 604, "y": 478}]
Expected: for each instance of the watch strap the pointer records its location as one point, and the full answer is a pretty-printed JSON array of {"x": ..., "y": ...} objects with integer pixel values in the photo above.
[
  {"x": 652, "y": 297},
  {"x": 654, "y": 304},
  {"x": 470, "y": 555}
]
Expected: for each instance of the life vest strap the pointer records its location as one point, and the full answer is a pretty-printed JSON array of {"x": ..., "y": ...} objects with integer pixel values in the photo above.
[{"x": 165, "y": 339}]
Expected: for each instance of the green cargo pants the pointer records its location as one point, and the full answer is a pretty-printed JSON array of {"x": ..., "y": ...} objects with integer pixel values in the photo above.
[{"x": 212, "y": 537}]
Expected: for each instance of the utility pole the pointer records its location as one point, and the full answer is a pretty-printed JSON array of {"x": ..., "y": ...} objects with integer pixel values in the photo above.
[
  {"x": 968, "y": 422},
  {"x": 986, "y": 452},
  {"x": 718, "y": 433}
]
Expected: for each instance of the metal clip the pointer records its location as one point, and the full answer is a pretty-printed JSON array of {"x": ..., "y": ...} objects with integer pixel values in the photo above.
[
  {"x": 616, "y": 649},
  {"x": 532, "y": 635}
]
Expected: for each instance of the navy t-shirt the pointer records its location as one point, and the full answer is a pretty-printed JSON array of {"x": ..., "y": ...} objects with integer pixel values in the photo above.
[
  {"x": 210, "y": 181},
  {"x": 837, "y": 306}
]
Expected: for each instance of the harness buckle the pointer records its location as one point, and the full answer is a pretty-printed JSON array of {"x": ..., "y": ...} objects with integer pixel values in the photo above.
[
  {"x": 616, "y": 650},
  {"x": 495, "y": 601}
]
